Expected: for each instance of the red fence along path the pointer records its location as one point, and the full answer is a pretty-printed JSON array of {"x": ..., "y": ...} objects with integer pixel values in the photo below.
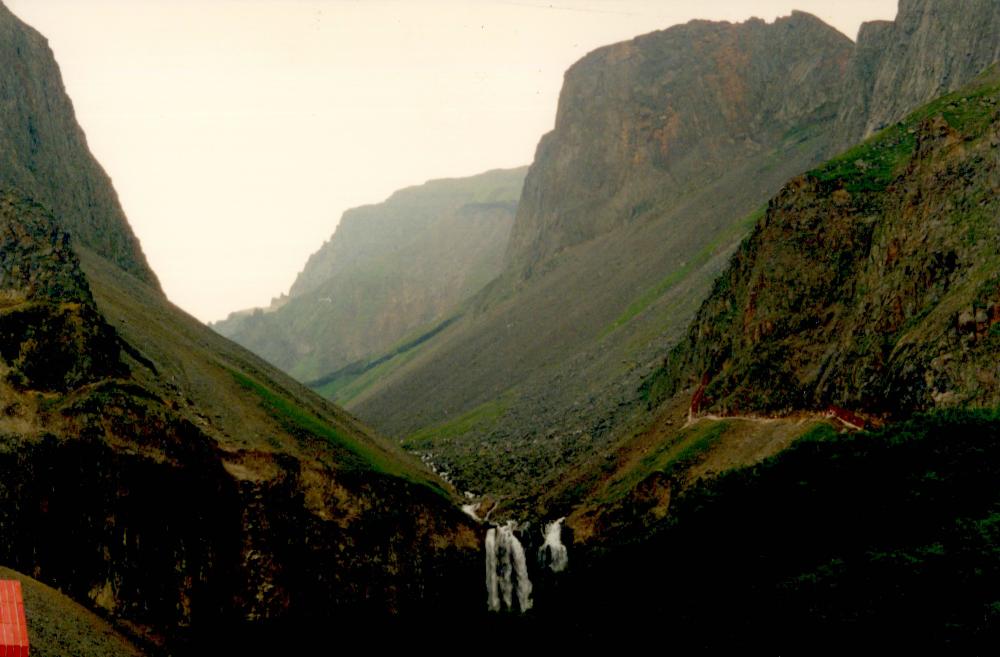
[{"x": 13, "y": 625}]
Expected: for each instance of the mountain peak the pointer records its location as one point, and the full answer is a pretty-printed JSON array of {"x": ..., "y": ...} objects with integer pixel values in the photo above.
[
  {"x": 663, "y": 110},
  {"x": 46, "y": 155},
  {"x": 932, "y": 48}
]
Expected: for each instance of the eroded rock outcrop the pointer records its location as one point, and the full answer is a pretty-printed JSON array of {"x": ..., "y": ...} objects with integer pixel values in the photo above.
[
  {"x": 43, "y": 152},
  {"x": 871, "y": 283}
]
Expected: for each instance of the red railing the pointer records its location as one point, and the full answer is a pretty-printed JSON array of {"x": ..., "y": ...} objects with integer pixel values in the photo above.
[{"x": 13, "y": 624}]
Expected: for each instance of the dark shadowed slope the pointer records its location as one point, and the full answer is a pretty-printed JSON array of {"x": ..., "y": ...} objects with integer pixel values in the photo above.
[{"x": 886, "y": 539}]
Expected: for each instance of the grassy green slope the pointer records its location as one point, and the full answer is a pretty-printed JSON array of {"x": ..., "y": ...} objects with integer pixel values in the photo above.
[{"x": 240, "y": 400}]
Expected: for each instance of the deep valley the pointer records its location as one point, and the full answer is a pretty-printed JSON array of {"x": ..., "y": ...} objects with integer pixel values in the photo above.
[{"x": 719, "y": 370}]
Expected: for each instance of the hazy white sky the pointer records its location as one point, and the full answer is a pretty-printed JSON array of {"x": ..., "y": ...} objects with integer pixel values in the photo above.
[{"x": 238, "y": 131}]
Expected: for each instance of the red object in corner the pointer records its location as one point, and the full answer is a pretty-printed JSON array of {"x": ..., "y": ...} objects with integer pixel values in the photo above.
[{"x": 13, "y": 624}]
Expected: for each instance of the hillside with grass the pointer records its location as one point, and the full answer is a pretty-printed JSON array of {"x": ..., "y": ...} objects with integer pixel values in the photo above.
[
  {"x": 165, "y": 477},
  {"x": 872, "y": 282},
  {"x": 633, "y": 204},
  {"x": 619, "y": 239},
  {"x": 750, "y": 510},
  {"x": 835, "y": 313}
]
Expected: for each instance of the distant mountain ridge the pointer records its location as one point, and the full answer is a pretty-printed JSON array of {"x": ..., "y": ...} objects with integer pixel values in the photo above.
[
  {"x": 390, "y": 269},
  {"x": 367, "y": 231}
]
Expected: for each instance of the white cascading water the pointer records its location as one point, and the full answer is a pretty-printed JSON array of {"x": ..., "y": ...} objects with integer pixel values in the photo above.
[
  {"x": 553, "y": 552},
  {"x": 506, "y": 570},
  {"x": 492, "y": 585}
]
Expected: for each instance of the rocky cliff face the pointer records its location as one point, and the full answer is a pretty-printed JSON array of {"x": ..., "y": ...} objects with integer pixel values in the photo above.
[
  {"x": 871, "y": 283},
  {"x": 389, "y": 270},
  {"x": 932, "y": 48},
  {"x": 53, "y": 337},
  {"x": 43, "y": 151},
  {"x": 642, "y": 123}
]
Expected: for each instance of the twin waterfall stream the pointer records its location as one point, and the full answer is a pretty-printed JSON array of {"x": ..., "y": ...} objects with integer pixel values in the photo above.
[{"x": 507, "y": 577}]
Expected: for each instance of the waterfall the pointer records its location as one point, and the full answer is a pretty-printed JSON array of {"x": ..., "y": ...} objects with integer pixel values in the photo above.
[
  {"x": 506, "y": 570},
  {"x": 553, "y": 552},
  {"x": 508, "y": 586},
  {"x": 492, "y": 588},
  {"x": 506, "y": 574}
]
